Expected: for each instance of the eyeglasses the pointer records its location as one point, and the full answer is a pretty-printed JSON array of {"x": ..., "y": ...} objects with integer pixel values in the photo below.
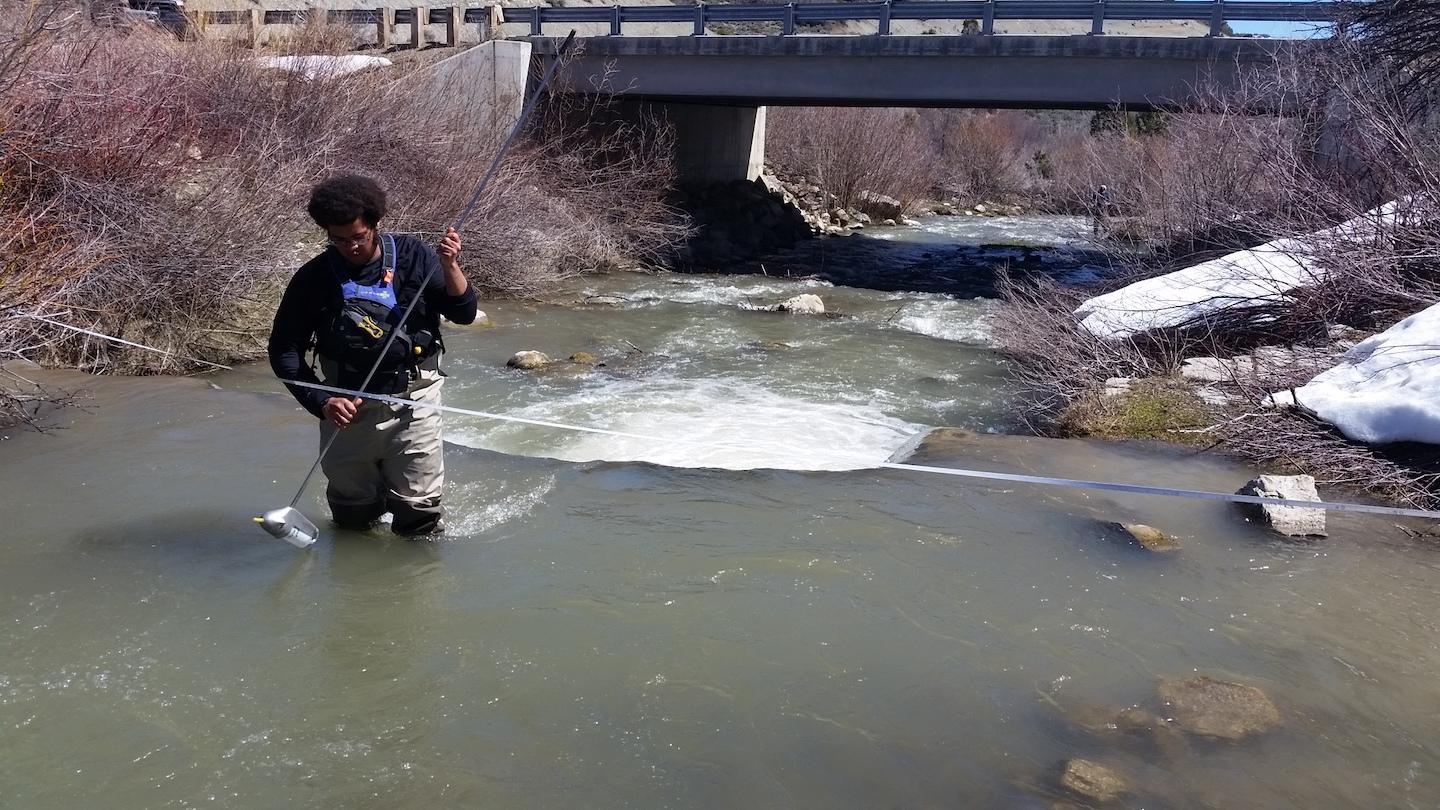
[{"x": 351, "y": 241}]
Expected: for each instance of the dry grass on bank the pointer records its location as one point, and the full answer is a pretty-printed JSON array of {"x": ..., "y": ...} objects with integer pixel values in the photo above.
[{"x": 154, "y": 189}]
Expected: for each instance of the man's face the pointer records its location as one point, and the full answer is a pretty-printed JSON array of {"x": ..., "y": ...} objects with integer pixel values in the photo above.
[{"x": 355, "y": 241}]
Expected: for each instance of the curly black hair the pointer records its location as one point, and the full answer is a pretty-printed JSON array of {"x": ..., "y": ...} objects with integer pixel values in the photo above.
[{"x": 342, "y": 199}]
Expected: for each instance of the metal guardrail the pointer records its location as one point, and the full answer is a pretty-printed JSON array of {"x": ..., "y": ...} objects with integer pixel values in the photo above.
[{"x": 984, "y": 13}]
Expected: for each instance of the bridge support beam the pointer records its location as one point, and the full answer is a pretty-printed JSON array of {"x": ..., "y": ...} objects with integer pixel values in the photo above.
[{"x": 717, "y": 144}]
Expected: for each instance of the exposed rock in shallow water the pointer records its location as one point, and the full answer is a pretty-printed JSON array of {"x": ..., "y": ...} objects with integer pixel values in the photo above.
[
  {"x": 528, "y": 360},
  {"x": 1092, "y": 781},
  {"x": 1296, "y": 521},
  {"x": 585, "y": 359},
  {"x": 1146, "y": 537},
  {"x": 803, "y": 304},
  {"x": 1223, "y": 710}
]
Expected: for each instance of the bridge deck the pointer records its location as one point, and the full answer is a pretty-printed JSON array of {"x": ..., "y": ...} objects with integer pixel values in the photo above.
[{"x": 1070, "y": 72}]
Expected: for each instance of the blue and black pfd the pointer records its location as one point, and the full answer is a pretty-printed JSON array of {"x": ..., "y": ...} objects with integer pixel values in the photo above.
[{"x": 360, "y": 329}]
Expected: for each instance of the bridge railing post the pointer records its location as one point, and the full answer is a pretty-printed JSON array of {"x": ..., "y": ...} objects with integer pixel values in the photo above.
[
  {"x": 454, "y": 24},
  {"x": 1097, "y": 19},
  {"x": 535, "y": 28},
  {"x": 699, "y": 20},
  {"x": 987, "y": 20},
  {"x": 615, "y": 21},
  {"x": 884, "y": 27},
  {"x": 384, "y": 27},
  {"x": 1217, "y": 18},
  {"x": 787, "y": 28},
  {"x": 419, "y": 19},
  {"x": 257, "y": 25}
]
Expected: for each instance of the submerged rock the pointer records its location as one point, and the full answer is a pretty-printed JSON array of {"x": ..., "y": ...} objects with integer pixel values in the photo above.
[
  {"x": 528, "y": 360},
  {"x": 1296, "y": 521},
  {"x": 585, "y": 359},
  {"x": 1146, "y": 537},
  {"x": 1092, "y": 781},
  {"x": 803, "y": 304},
  {"x": 1223, "y": 710}
]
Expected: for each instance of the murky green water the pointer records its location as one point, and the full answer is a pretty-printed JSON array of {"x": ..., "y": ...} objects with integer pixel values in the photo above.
[{"x": 744, "y": 614}]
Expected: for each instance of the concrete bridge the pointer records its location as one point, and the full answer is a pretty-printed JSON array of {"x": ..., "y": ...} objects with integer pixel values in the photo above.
[{"x": 714, "y": 89}]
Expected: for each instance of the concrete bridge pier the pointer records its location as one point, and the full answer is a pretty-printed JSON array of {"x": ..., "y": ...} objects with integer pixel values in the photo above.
[{"x": 716, "y": 144}]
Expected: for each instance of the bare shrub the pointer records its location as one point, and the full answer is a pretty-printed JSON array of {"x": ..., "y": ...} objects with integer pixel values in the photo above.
[
  {"x": 850, "y": 150},
  {"x": 313, "y": 33},
  {"x": 154, "y": 190},
  {"x": 982, "y": 155},
  {"x": 1057, "y": 362},
  {"x": 1401, "y": 35}
]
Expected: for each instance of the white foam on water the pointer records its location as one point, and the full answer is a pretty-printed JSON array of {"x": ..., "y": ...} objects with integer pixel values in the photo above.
[
  {"x": 477, "y": 506},
  {"x": 713, "y": 423},
  {"x": 711, "y": 290},
  {"x": 1036, "y": 229},
  {"x": 945, "y": 318}
]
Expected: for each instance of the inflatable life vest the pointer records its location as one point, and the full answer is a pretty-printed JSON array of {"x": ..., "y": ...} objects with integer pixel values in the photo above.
[{"x": 360, "y": 333}]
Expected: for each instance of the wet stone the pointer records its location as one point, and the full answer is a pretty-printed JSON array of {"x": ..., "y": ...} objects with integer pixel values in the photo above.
[
  {"x": 1207, "y": 707},
  {"x": 1295, "y": 521},
  {"x": 528, "y": 360},
  {"x": 1092, "y": 781},
  {"x": 803, "y": 304},
  {"x": 1146, "y": 537}
]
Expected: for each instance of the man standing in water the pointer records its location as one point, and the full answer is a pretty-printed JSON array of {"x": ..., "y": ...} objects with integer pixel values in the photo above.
[{"x": 345, "y": 304}]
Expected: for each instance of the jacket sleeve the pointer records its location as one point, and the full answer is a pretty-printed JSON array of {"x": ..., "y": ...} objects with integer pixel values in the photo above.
[
  {"x": 456, "y": 308},
  {"x": 290, "y": 336}
]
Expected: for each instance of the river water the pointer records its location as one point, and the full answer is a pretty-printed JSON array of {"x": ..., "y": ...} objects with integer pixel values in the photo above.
[{"x": 739, "y": 611}]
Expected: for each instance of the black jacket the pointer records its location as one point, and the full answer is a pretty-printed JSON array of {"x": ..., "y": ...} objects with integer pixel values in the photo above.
[{"x": 314, "y": 290}]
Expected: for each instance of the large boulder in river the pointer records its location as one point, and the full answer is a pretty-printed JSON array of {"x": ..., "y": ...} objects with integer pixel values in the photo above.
[
  {"x": 528, "y": 360},
  {"x": 1223, "y": 710},
  {"x": 880, "y": 206},
  {"x": 1296, "y": 521},
  {"x": 803, "y": 304}
]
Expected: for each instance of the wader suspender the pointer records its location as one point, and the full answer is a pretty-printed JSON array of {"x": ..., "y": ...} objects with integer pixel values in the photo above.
[{"x": 388, "y": 257}]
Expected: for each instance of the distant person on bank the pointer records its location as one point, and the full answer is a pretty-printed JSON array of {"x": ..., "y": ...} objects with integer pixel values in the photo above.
[
  {"x": 1103, "y": 207},
  {"x": 344, "y": 304}
]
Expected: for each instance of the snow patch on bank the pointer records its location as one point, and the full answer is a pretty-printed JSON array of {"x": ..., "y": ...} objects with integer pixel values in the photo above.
[
  {"x": 1386, "y": 389},
  {"x": 1241, "y": 280},
  {"x": 312, "y": 66}
]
